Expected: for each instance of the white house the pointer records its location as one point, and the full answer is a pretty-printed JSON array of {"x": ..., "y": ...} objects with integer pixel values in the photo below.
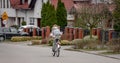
[
  {"x": 21, "y": 10},
  {"x": 27, "y": 10}
]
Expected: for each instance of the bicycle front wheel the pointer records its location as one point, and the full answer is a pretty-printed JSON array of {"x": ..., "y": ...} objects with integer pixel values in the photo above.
[{"x": 58, "y": 53}]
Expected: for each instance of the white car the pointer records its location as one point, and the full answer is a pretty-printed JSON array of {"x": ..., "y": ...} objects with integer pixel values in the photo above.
[{"x": 27, "y": 26}]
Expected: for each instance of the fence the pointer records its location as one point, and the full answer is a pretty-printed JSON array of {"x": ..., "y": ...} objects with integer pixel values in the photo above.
[
  {"x": 33, "y": 31},
  {"x": 71, "y": 33}
]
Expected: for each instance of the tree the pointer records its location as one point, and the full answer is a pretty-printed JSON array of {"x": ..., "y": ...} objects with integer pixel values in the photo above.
[
  {"x": 48, "y": 15},
  {"x": 90, "y": 17},
  {"x": 116, "y": 15},
  {"x": 61, "y": 14},
  {"x": 43, "y": 14}
]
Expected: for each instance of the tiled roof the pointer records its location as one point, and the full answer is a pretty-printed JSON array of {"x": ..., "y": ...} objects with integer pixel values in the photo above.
[
  {"x": 81, "y": 0},
  {"x": 16, "y": 4},
  {"x": 68, "y": 3},
  {"x": 100, "y": 7}
]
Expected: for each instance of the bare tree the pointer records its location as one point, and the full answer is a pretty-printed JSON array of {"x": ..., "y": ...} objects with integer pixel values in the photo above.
[{"x": 90, "y": 15}]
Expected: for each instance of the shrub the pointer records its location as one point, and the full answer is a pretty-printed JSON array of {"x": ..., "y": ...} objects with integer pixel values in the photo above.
[
  {"x": 88, "y": 37},
  {"x": 17, "y": 39},
  {"x": 65, "y": 42},
  {"x": 36, "y": 38},
  {"x": 50, "y": 42},
  {"x": 62, "y": 42},
  {"x": 24, "y": 38},
  {"x": 44, "y": 41},
  {"x": 35, "y": 42},
  {"x": 92, "y": 45},
  {"x": 86, "y": 44},
  {"x": 23, "y": 23},
  {"x": 79, "y": 43},
  {"x": 114, "y": 45}
]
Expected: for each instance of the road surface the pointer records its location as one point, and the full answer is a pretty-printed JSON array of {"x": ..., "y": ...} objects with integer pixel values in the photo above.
[{"x": 12, "y": 53}]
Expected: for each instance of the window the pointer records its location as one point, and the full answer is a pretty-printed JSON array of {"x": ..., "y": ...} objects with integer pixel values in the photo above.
[
  {"x": 3, "y": 3},
  {"x": 7, "y": 4},
  {"x": 26, "y": 1},
  {"x": 20, "y": 2},
  {"x": 23, "y": 1},
  {"x": 31, "y": 21},
  {"x": 42, "y": 2}
]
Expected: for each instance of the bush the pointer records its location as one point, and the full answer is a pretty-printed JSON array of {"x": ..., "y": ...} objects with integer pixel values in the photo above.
[
  {"x": 36, "y": 38},
  {"x": 62, "y": 42},
  {"x": 24, "y": 38},
  {"x": 92, "y": 45},
  {"x": 36, "y": 42},
  {"x": 50, "y": 42},
  {"x": 44, "y": 41},
  {"x": 79, "y": 43},
  {"x": 17, "y": 39},
  {"x": 23, "y": 23},
  {"x": 66, "y": 42},
  {"x": 88, "y": 37},
  {"x": 86, "y": 44},
  {"x": 114, "y": 45}
]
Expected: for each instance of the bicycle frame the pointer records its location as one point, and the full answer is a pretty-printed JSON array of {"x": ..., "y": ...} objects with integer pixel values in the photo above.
[{"x": 57, "y": 49}]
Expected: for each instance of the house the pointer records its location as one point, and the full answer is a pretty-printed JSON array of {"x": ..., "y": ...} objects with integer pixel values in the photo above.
[
  {"x": 29, "y": 11},
  {"x": 79, "y": 4},
  {"x": 21, "y": 10},
  {"x": 68, "y": 5}
]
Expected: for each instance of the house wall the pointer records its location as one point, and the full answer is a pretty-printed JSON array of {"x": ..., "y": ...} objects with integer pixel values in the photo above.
[
  {"x": 70, "y": 20},
  {"x": 37, "y": 9},
  {"x": 19, "y": 15},
  {"x": 6, "y": 7},
  {"x": 31, "y": 14}
]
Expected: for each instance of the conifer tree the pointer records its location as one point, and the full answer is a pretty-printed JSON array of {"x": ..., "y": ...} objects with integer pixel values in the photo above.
[
  {"x": 116, "y": 15},
  {"x": 61, "y": 14},
  {"x": 48, "y": 15}
]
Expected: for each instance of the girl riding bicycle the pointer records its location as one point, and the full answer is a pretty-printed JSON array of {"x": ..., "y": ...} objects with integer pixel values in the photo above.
[{"x": 56, "y": 34}]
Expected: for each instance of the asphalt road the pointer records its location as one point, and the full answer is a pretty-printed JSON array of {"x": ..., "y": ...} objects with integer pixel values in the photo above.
[{"x": 11, "y": 53}]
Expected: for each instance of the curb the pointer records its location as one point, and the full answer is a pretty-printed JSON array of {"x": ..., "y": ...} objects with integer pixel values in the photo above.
[
  {"x": 101, "y": 55},
  {"x": 93, "y": 53}
]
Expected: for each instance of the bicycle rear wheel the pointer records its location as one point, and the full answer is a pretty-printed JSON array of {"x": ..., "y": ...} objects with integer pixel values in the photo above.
[{"x": 53, "y": 53}]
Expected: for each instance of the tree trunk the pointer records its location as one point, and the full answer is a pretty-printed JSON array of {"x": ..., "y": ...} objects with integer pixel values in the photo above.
[{"x": 91, "y": 32}]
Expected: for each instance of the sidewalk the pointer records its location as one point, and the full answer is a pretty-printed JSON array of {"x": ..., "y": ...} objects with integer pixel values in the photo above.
[{"x": 115, "y": 56}]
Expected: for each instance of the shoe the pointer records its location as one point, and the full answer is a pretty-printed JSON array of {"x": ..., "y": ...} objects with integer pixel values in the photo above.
[{"x": 53, "y": 50}]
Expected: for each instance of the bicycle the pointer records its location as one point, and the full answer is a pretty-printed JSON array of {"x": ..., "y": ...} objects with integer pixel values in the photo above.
[{"x": 56, "y": 52}]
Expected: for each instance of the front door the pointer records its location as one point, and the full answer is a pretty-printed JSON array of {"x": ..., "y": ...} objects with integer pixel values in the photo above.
[{"x": 38, "y": 22}]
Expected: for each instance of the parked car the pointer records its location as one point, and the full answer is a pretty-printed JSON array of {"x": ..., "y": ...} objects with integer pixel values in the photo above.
[
  {"x": 2, "y": 37},
  {"x": 10, "y": 32},
  {"x": 30, "y": 27},
  {"x": 27, "y": 26}
]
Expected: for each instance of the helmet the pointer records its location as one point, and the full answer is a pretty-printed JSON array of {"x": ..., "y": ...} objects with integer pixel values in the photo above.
[{"x": 54, "y": 28}]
